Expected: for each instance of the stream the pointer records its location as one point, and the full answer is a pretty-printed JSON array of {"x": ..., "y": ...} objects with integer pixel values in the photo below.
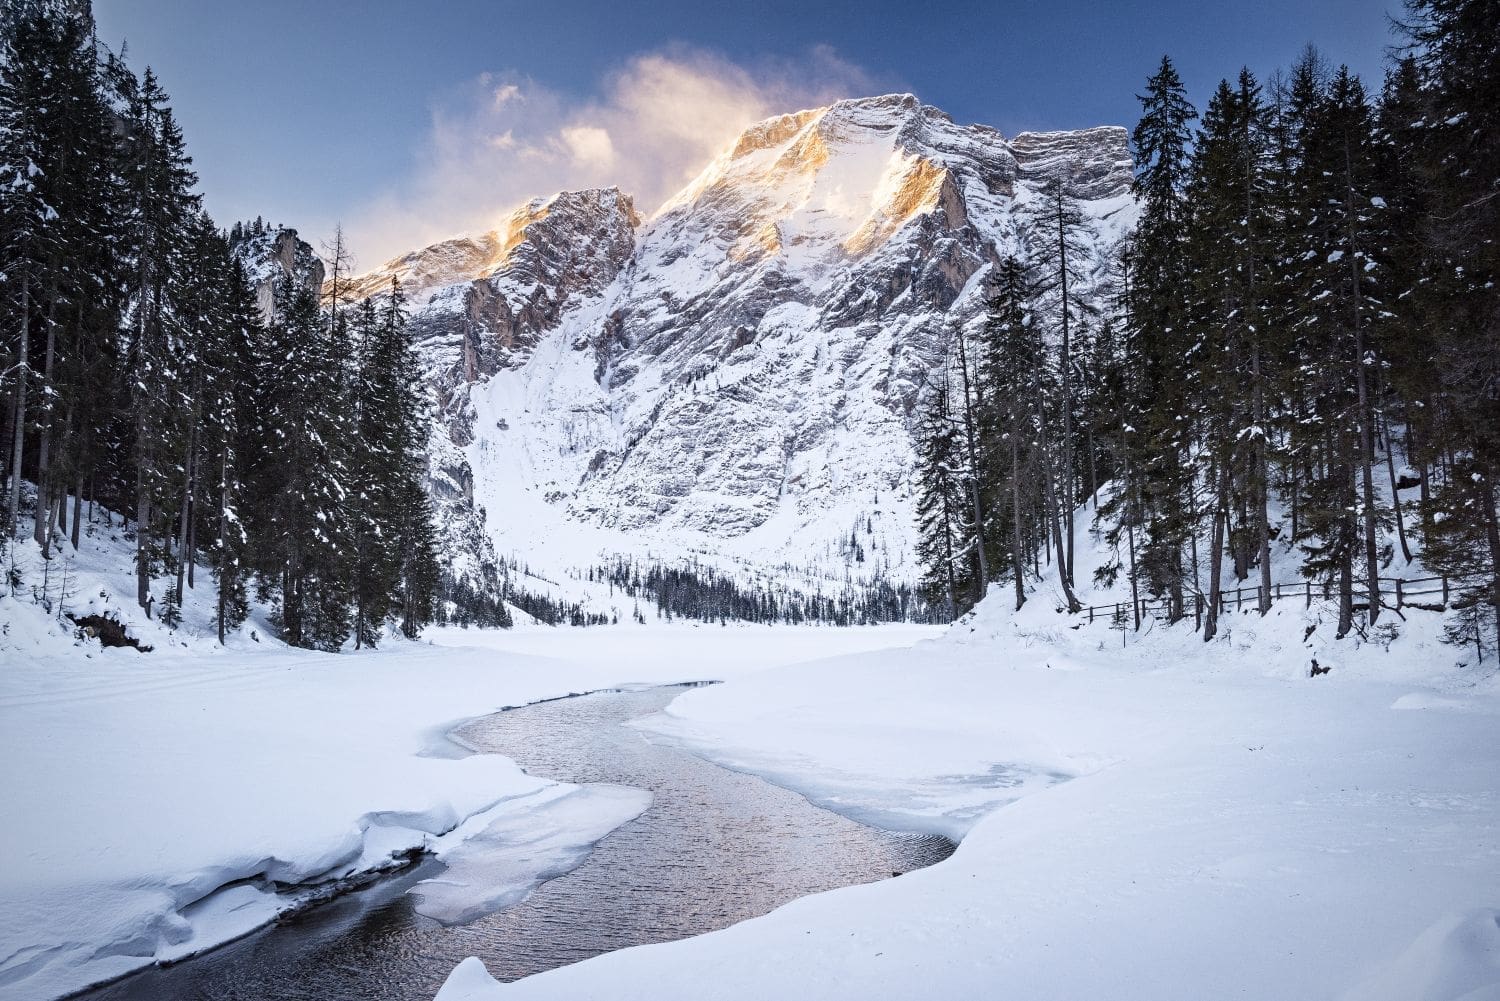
[{"x": 714, "y": 848}]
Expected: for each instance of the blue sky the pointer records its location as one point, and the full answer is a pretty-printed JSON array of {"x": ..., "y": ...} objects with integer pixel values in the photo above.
[{"x": 407, "y": 121}]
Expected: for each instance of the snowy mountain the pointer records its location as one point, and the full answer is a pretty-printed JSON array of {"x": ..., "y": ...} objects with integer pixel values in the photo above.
[{"x": 736, "y": 378}]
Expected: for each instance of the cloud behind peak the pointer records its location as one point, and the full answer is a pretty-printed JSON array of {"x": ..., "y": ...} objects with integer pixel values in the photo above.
[{"x": 655, "y": 122}]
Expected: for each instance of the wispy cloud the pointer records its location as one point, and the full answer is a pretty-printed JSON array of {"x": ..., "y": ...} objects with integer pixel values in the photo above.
[{"x": 654, "y": 123}]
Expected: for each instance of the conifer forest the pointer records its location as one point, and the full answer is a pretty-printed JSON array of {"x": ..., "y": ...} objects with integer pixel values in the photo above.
[
  {"x": 280, "y": 450},
  {"x": 1308, "y": 307}
]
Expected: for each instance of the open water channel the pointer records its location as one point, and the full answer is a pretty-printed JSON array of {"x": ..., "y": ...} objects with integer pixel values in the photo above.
[{"x": 715, "y": 847}]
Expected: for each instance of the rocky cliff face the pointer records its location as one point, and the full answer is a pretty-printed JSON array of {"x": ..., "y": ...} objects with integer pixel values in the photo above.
[
  {"x": 480, "y": 303},
  {"x": 736, "y": 378},
  {"x": 273, "y": 255}
]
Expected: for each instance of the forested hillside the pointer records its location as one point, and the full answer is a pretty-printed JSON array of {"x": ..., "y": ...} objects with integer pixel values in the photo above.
[
  {"x": 281, "y": 449},
  {"x": 1300, "y": 353}
]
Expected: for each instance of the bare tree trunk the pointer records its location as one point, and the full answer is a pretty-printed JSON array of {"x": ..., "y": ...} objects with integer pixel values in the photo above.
[
  {"x": 1065, "y": 561},
  {"x": 18, "y": 442},
  {"x": 1348, "y": 532},
  {"x": 223, "y": 545},
  {"x": 1216, "y": 557},
  {"x": 142, "y": 545},
  {"x": 1425, "y": 470},
  {"x": 1093, "y": 470},
  {"x": 1390, "y": 468},
  {"x": 44, "y": 483},
  {"x": 974, "y": 477},
  {"x": 1178, "y": 609},
  {"x": 185, "y": 516},
  {"x": 1485, "y": 483},
  {"x": 77, "y": 507},
  {"x": 1130, "y": 514},
  {"x": 1366, "y": 418},
  {"x": 192, "y": 541},
  {"x": 1015, "y": 519},
  {"x": 1053, "y": 515}
]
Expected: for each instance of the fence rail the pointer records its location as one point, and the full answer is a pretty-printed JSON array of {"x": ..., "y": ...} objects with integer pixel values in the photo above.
[{"x": 1405, "y": 590}]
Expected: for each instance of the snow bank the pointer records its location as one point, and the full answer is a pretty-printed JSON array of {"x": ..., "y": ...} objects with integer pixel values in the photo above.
[
  {"x": 159, "y": 804},
  {"x": 1458, "y": 957},
  {"x": 522, "y": 848}
]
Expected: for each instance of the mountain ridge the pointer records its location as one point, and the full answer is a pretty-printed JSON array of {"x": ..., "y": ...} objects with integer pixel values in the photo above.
[{"x": 735, "y": 378}]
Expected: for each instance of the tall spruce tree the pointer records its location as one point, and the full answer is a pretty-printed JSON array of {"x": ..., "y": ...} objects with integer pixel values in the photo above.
[
  {"x": 1455, "y": 47},
  {"x": 1161, "y": 273},
  {"x": 943, "y": 533},
  {"x": 1014, "y": 369},
  {"x": 394, "y": 548},
  {"x": 1229, "y": 358}
]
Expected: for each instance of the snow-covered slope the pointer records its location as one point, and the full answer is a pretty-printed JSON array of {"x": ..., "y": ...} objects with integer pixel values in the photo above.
[
  {"x": 159, "y": 804},
  {"x": 737, "y": 377}
]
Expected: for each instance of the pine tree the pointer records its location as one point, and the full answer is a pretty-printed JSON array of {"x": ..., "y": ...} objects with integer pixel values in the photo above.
[
  {"x": 1014, "y": 370},
  {"x": 942, "y": 544},
  {"x": 1228, "y": 198},
  {"x": 1158, "y": 317},
  {"x": 1339, "y": 291},
  {"x": 1455, "y": 46},
  {"x": 158, "y": 178},
  {"x": 228, "y": 435},
  {"x": 301, "y": 518},
  {"x": 971, "y": 402},
  {"x": 1406, "y": 260},
  {"x": 395, "y": 562}
]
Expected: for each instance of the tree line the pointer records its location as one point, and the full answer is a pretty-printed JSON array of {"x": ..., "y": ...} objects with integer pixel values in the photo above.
[
  {"x": 1298, "y": 345},
  {"x": 704, "y": 594},
  {"x": 282, "y": 452}
]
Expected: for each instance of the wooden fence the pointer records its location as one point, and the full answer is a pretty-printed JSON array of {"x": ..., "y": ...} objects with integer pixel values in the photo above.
[{"x": 1418, "y": 592}]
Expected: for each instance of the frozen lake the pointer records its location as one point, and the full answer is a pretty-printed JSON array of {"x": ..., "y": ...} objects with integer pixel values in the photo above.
[{"x": 715, "y": 847}]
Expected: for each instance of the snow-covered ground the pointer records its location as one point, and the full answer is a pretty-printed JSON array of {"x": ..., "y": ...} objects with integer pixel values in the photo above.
[
  {"x": 1141, "y": 819},
  {"x": 158, "y": 804},
  {"x": 1166, "y": 820}
]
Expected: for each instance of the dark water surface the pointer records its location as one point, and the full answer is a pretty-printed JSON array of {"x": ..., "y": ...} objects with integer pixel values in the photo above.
[{"x": 715, "y": 847}]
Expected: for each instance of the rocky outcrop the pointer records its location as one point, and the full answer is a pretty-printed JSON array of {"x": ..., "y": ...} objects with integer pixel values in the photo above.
[
  {"x": 480, "y": 303},
  {"x": 273, "y": 255},
  {"x": 1096, "y": 162}
]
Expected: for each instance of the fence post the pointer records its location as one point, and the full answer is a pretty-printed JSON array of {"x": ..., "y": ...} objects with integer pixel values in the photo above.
[
  {"x": 1445, "y": 592},
  {"x": 1309, "y": 594},
  {"x": 1400, "y": 598},
  {"x": 1197, "y": 612},
  {"x": 1239, "y": 598},
  {"x": 1091, "y": 614}
]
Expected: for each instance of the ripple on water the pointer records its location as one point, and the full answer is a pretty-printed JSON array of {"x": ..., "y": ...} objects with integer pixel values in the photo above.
[{"x": 714, "y": 848}]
